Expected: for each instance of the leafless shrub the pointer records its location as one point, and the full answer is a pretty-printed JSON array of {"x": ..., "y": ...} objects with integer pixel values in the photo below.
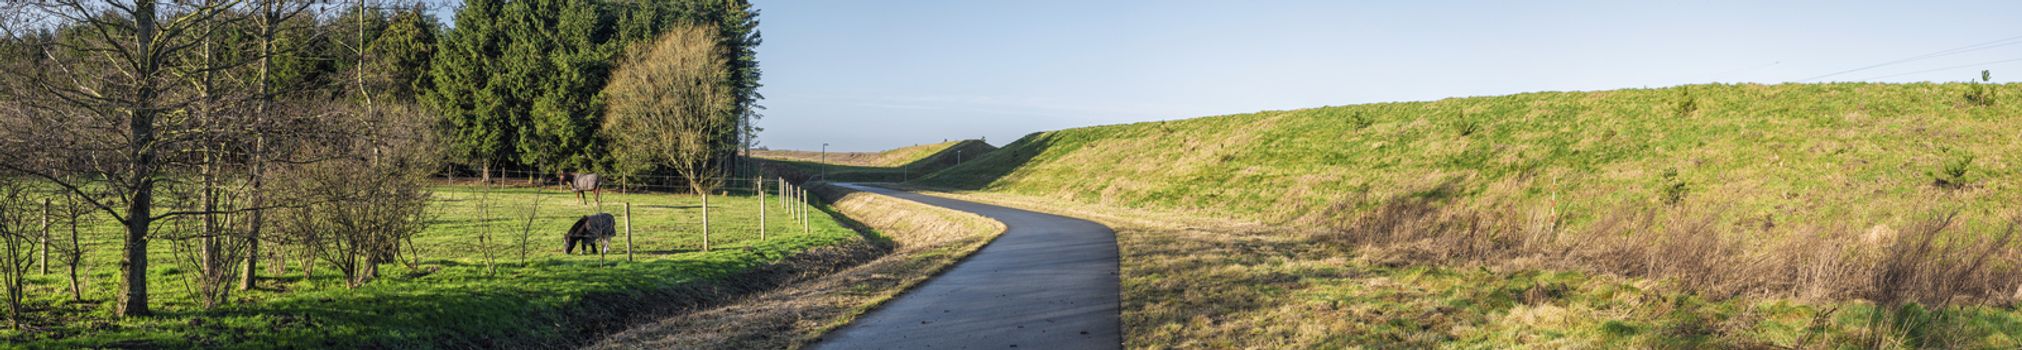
[
  {"x": 1692, "y": 251},
  {"x": 367, "y": 195},
  {"x": 526, "y": 231},
  {"x": 1922, "y": 273},
  {"x": 202, "y": 242},
  {"x": 17, "y": 231},
  {"x": 73, "y": 253},
  {"x": 486, "y": 243}
]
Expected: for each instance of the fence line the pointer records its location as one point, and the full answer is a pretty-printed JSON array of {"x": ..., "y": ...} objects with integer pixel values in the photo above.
[
  {"x": 795, "y": 201},
  {"x": 655, "y": 183}
]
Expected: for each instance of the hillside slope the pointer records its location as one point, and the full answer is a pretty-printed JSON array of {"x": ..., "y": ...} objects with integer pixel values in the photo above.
[
  {"x": 886, "y": 158},
  {"x": 1843, "y": 154},
  {"x": 894, "y": 165},
  {"x": 1713, "y": 216}
]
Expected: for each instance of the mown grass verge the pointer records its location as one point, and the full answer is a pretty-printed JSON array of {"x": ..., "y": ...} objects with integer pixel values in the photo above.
[{"x": 911, "y": 243}]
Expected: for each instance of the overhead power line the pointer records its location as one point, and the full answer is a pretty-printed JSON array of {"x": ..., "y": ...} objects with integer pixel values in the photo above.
[
  {"x": 1947, "y": 52},
  {"x": 1945, "y": 68}
]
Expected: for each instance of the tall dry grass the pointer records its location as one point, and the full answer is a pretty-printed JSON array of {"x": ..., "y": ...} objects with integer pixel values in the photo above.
[
  {"x": 1911, "y": 275},
  {"x": 1937, "y": 261}
]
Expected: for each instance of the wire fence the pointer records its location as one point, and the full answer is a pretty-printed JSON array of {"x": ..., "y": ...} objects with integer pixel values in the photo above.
[
  {"x": 784, "y": 208},
  {"x": 732, "y": 185}
]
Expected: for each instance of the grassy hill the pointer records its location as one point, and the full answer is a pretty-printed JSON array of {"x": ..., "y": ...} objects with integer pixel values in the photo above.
[
  {"x": 1852, "y": 154},
  {"x": 1744, "y": 216},
  {"x": 894, "y": 165}
]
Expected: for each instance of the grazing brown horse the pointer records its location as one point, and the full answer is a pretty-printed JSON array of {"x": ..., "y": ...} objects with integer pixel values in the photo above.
[{"x": 580, "y": 183}]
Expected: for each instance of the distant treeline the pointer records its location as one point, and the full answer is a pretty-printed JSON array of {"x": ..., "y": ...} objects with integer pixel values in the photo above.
[
  {"x": 519, "y": 82},
  {"x": 516, "y": 84}
]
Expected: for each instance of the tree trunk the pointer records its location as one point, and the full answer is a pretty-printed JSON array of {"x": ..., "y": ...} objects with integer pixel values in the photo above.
[
  {"x": 76, "y": 252},
  {"x": 207, "y": 233},
  {"x": 367, "y": 271},
  {"x": 249, "y": 277},
  {"x": 309, "y": 264},
  {"x": 45, "y": 237},
  {"x": 140, "y": 209},
  {"x": 133, "y": 265},
  {"x": 705, "y": 221}
]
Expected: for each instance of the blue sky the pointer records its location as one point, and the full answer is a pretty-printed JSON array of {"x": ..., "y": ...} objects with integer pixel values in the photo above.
[{"x": 870, "y": 75}]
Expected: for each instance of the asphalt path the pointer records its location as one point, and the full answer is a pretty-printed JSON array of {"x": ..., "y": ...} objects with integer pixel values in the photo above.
[{"x": 1049, "y": 282}]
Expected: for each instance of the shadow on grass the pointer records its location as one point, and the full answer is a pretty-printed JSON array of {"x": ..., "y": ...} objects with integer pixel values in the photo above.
[
  {"x": 978, "y": 173},
  {"x": 544, "y": 303},
  {"x": 697, "y": 206},
  {"x": 800, "y": 171}
]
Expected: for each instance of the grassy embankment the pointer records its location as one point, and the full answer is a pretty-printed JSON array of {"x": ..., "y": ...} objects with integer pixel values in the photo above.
[
  {"x": 913, "y": 242},
  {"x": 1712, "y": 215},
  {"x": 543, "y": 300},
  {"x": 894, "y": 165}
]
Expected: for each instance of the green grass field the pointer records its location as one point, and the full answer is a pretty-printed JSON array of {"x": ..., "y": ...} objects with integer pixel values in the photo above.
[
  {"x": 1852, "y": 154},
  {"x": 543, "y": 300}
]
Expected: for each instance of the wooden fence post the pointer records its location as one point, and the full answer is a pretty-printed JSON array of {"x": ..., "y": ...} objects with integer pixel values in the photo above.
[
  {"x": 628, "y": 231},
  {"x": 705, "y": 221},
  {"x": 803, "y": 212},
  {"x": 45, "y": 236},
  {"x": 760, "y": 184}
]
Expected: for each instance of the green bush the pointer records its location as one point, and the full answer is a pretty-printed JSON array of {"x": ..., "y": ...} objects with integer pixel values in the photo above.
[
  {"x": 1686, "y": 103},
  {"x": 1982, "y": 94},
  {"x": 1953, "y": 173},
  {"x": 1672, "y": 189}
]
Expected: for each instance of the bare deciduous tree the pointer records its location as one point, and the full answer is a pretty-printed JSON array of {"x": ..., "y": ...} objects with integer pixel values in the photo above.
[
  {"x": 111, "y": 107},
  {"x": 73, "y": 255},
  {"x": 371, "y": 189},
  {"x": 669, "y": 105},
  {"x": 16, "y": 245}
]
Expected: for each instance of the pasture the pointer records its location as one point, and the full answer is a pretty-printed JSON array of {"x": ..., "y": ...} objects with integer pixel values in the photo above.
[{"x": 448, "y": 293}]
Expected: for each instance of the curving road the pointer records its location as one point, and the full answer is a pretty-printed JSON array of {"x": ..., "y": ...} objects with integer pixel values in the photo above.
[{"x": 1049, "y": 282}]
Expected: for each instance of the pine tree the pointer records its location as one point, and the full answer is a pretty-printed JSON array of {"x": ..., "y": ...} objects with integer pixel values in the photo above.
[
  {"x": 402, "y": 53},
  {"x": 473, "y": 103}
]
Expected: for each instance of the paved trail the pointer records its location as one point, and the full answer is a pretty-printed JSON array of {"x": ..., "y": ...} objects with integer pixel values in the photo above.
[{"x": 1049, "y": 282}]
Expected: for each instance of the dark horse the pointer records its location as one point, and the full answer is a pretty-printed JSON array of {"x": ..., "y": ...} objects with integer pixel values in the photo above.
[
  {"x": 580, "y": 183},
  {"x": 593, "y": 231}
]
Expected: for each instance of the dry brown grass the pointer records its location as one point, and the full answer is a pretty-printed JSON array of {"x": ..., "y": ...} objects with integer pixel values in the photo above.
[
  {"x": 1937, "y": 262},
  {"x": 921, "y": 241}
]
